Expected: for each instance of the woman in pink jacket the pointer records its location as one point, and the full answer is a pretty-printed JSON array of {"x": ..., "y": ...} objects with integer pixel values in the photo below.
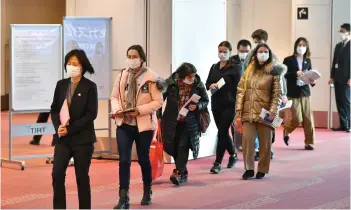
[{"x": 136, "y": 96}]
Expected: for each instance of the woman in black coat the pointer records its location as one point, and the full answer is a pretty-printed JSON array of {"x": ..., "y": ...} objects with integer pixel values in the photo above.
[
  {"x": 223, "y": 102},
  {"x": 181, "y": 133},
  {"x": 299, "y": 92}
]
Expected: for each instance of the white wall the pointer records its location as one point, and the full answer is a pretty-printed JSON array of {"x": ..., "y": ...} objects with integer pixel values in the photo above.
[
  {"x": 160, "y": 37},
  {"x": 317, "y": 30},
  {"x": 234, "y": 22},
  {"x": 198, "y": 27},
  {"x": 274, "y": 16}
]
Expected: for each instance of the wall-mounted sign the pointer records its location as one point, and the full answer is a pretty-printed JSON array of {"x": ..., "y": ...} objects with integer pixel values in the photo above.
[{"x": 302, "y": 13}]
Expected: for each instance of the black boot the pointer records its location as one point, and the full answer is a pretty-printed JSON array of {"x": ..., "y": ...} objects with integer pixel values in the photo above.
[
  {"x": 123, "y": 202},
  {"x": 147, "y": 195}
]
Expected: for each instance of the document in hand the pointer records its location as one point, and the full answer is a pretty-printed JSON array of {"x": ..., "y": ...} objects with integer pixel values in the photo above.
[
  {"x": 64, "y": 113},
  {"x": 285, "y": 106},
  {"x": 220, "y": 84},
  {"x": 276, "y": 122},
  {"x": 194, "y": 99},
  {"x": 310, "y": 75}
]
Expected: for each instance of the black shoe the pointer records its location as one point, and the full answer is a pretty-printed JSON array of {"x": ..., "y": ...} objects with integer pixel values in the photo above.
[
  {"x": 347, "y": 130},
  {"x": 34, "y": 142},
  {"x": 286, "y": 139},
  {"x": 260, "y": 175},
  {"x": 216, "y": 168},
  {"x": 248, "y": 174},
  {"x": 175, "y": 177},
  {"x": 123, "y": 202},
  {"x": 257, "y": 156},
  {"x": 146, "y": 200},
  {"x": 308, "y": 147},
  {"x": 232, "y": 161},
  {"x": 184, "y": 176}
]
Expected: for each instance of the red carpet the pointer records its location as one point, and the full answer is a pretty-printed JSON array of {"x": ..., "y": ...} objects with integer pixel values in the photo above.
[{"x": 298, "y": 179}]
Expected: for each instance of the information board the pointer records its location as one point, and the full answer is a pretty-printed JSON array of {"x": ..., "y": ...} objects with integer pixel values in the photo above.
[
  {"x": 36, "y": 65},
  {"x": 93, "y": 35}
]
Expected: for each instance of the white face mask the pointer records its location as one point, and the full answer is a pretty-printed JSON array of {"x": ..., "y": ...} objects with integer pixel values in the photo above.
[
  {"x": 344, "y": 36},
  {"x": 301, "y": 50},
  {"x": 73, "y": 71},
  {"x": 223, "y": 56},
  {"x": 188, "y": 82},
  {"x": 134, "y": 63},
  {"x": 263, "y": 57},
  {"x": 242, "y": 56}
]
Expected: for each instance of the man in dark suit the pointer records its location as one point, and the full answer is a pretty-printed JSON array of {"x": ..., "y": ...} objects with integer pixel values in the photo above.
[{"x": 340, "y": 77}]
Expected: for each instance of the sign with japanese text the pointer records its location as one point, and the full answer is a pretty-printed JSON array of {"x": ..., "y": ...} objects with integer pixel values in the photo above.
[{"x": 93, "y": 36}]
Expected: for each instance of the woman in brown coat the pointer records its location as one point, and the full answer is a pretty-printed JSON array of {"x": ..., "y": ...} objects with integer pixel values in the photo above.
[{"x": 258, "y": 89}]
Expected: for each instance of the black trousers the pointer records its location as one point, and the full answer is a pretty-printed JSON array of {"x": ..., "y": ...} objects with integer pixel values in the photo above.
[
  {"x": 223, "y": 120},
  {"x": 43, "y": 118},
  {"x": 82, "y": 155},
  {"x": 182, "y": 146},
  {"x": 342, "y": 97},
  {"x": 126, "y": 135}
]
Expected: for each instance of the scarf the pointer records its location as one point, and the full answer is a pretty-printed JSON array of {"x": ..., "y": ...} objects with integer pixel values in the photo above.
[{"x": 134, "y": 74}]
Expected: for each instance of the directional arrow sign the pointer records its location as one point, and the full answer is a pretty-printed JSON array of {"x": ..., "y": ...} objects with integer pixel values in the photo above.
[{"x": 302, "y": 13}]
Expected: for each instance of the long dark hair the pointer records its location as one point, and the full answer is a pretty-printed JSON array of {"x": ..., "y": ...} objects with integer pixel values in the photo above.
[
  {"x": 308, "y": 52},
  {"x": 257, "y": 63}
]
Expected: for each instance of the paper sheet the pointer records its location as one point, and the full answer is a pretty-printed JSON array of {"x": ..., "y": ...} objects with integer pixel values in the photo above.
[
  {"x": 276, "y": 122},
  {"x": 310, "y": 75},
  {"x": 64, "y": 113},
  {"x": 286, "y": 106},
  {"x": 220, "y": 84},
  {"x": 194, "y": 99}
]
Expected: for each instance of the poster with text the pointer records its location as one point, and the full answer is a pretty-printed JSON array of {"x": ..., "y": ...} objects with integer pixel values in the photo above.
[
  {"x": 36, "y": 65},
  {"x": 93, "y": 36}
]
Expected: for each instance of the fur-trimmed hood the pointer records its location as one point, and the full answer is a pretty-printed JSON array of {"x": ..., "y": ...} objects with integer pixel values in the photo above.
[
  {"x": 278, "y": 69},
  {"x": 161, "y": 84}
]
